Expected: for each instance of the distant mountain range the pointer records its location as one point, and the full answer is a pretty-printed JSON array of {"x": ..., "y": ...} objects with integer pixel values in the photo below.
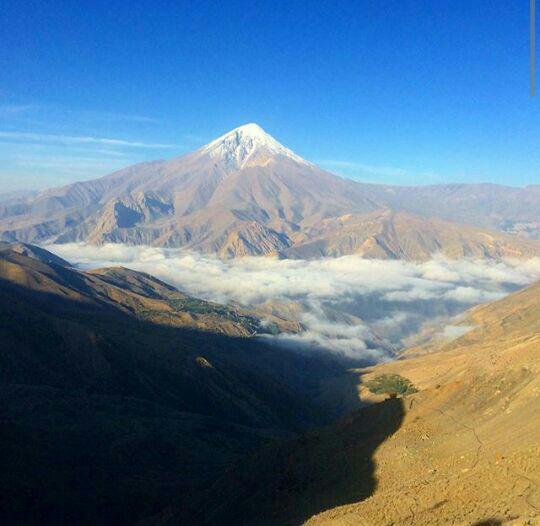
[{"x": 246, "y": 194}]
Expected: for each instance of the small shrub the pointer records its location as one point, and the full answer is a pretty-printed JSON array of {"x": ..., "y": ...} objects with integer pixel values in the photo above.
[{"x": 391, "y": 384}]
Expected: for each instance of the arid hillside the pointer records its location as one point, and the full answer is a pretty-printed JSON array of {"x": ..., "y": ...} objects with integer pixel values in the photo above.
[
  {"x": 117, "y": 391},
  {"x": 468, "y": 448},
  {"x": 463, "y": 450},
  {"x": 135, "y": 293},
  {"x": 385, "y": 234}
]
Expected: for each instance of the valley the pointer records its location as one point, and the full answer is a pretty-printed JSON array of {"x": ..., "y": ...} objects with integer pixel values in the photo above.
[
  {"x": 271, "y": 263},
  {"x": 114, "y": 375},
  {"x": 196, "y": 342},
  {"x": 178, "y": 413},
  {"x": 463, "y": 449}
]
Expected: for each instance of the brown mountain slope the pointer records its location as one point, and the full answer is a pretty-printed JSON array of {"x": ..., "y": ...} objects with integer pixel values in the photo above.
[
  {"x": 246, "y": 194},
  {"x": 398, "y": 235},
  {"x": 134, "y": 293},
  {"x": 107, "y": 411},
  {"x": 464, "y": 450},
  {"x": 469, "y": 445},
  {"x": 491, "y": 206},
  {"x": 242, "y": 187},
  {"x": 34, "y": 252}
]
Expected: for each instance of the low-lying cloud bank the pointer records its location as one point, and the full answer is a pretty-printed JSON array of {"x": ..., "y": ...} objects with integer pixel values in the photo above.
[{"x": 356, "y": 306}]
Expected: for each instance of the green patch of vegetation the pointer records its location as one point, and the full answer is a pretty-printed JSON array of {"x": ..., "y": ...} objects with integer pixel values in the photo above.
[
  {"x": 391, "y": 384},
  {"x": 197, "y": 306}
]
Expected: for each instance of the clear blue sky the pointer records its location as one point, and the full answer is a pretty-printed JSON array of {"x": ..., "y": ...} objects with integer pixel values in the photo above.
[{"x": 397, "y": 91}]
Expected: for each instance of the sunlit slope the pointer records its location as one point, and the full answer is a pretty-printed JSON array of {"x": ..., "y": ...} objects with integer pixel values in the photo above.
[
  {"x": 385, "y": 234},
  {"x": 246, "y": 194},
  {"x": 469, "y": 446},
  {"x": 135, "y": 293}
]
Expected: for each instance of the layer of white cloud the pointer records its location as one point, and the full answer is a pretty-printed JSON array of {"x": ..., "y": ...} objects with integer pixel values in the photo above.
[{"x": 352, "y": 305}]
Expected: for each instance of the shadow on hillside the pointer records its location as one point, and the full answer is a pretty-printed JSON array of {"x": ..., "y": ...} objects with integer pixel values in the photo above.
[
  {"x": 106, "y": 418},
  {"x": 289, "y": 482},
  {"x": 339, "y": 393},
  {"x": 488, "y": 522}
]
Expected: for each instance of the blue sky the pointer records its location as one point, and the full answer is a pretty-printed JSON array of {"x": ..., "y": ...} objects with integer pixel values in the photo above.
[{"x": 394, "y": 91}]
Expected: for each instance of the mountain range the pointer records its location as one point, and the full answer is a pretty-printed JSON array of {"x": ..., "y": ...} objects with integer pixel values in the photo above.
[
  {"x": 246, "y": 194},
  {"x": 124, "y": 399}
]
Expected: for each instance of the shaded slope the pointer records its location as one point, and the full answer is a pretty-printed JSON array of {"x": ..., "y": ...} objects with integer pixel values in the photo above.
[
  {"x": 287, "y": 483},
  {"x": 106, "y": 415}
]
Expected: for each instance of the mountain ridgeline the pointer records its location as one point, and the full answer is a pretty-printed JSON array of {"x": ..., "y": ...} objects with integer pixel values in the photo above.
[{"x": 246, "y": 194}]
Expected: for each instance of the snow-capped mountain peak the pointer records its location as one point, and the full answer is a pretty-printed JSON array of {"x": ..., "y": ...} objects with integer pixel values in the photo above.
[{"x": 248, "y": 145}]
